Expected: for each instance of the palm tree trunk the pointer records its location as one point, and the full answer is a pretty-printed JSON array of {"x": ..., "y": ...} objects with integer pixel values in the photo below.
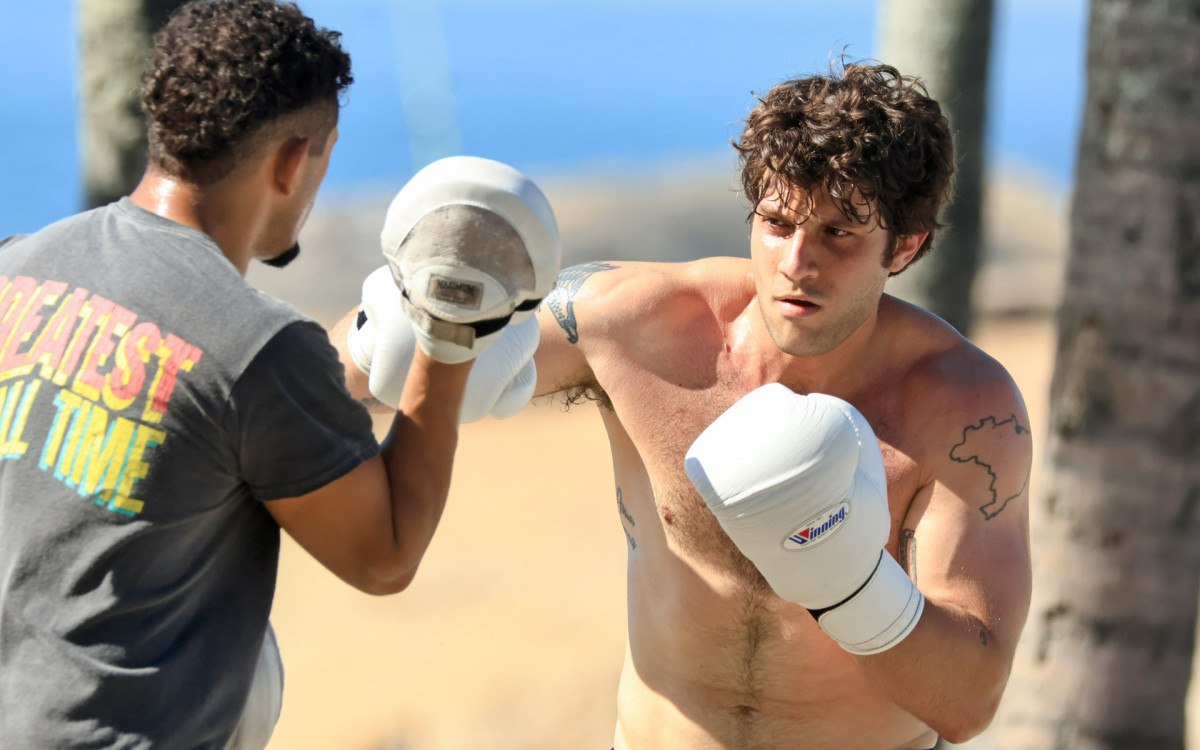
[
  {"x": 947, "y": 44},
  {"x": 114, "y": 38},
  {"x": 1106, "y": 656}
]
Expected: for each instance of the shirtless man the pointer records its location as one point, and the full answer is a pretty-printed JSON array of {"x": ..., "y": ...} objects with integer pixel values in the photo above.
[{"x": 846, "y": 175}]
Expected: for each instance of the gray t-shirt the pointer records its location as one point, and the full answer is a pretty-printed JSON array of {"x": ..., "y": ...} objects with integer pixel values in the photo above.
[{"x": 149, "y": 400}]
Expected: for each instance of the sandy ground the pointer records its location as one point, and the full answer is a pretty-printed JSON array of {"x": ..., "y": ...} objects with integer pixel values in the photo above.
[{"x": 512, "y": 634}]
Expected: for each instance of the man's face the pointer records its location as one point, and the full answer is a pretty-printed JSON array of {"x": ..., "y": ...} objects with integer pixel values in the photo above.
[
  {"x": 818, "y": 274},
  {"x": 284, "y": 236}
]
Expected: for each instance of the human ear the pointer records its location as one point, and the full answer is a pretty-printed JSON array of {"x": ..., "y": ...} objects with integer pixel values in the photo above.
[
  {"x": 289, "y": 160},
  {"x": 906, "y": 249}
]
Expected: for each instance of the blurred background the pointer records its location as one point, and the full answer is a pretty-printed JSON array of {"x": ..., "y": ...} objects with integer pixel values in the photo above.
[
  {"x": 513, "y": 634},
  {"x": 555, "y": 89}
]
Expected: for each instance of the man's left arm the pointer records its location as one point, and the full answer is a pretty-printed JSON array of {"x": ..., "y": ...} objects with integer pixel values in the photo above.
[
  {"x": 965, "y": 542},
  {"x": 799, "y": 484}
]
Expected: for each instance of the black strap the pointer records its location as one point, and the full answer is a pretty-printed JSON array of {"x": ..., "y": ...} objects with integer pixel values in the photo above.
[
  {"x": 463, "y": 334},
  {"x": 816, "y": 613}
]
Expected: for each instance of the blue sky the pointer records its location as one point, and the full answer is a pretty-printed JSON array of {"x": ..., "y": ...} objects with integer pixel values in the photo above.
[{"x": 552, "y": 86}]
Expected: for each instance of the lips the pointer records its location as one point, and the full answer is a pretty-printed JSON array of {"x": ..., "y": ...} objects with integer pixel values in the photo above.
[{"x": 796, "y": 306}]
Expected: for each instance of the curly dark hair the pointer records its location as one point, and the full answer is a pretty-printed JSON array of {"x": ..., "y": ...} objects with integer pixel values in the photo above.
[
  {"x": 222, "y": 71},
  {"x": 871, "y": 138}
]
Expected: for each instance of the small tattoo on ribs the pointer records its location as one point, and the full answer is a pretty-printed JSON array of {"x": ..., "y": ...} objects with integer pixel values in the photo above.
[
  {"x": 629, "y": 538},
  {"x": 624, "y": 511},
  {"x": 626, "y": 517}
]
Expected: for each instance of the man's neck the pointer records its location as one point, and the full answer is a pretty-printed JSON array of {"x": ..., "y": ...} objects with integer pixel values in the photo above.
[
  {"x": 221, "y": 211},
  {"x": 842, "y": 371}
]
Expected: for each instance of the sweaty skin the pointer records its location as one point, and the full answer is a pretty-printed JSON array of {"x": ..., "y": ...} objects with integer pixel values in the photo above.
[{"x": 714, "y": 658}]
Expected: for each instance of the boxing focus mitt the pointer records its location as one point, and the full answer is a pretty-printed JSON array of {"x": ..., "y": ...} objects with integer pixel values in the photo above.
[
  {"x": 473, "y": 244},
  {"x": 383, "y": 339},
  {"x": 798, "y": 484}
]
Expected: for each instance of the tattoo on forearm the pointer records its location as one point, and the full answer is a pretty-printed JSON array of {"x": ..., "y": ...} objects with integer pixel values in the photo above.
[
  {"x": 977, "y": 446},
  {"x": 561, "y": 299},
  {"x": 626, "y": 517},
  {"x": 908, "y": 552}
]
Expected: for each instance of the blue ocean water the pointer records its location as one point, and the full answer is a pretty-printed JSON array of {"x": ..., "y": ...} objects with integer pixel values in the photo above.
[{"x": 550, "y": 86}]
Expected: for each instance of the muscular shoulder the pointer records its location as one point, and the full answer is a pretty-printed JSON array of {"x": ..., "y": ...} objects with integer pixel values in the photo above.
[
  {"x": 957, "y": 379},
  {"x": 960, "y": 408}
]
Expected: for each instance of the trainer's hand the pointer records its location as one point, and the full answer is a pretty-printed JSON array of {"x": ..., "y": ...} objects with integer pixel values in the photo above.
[
  {"x": 798, "y": 484},
  {"x": 383, "y": 340},
  {"x": 472, "y": 244}
]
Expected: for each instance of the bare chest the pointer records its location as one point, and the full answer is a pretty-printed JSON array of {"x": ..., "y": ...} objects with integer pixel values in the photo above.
[
  {"x": 651, "y": 427},
  {"x": 701, "y": 616},
  {"x": 652, "y": 424}
]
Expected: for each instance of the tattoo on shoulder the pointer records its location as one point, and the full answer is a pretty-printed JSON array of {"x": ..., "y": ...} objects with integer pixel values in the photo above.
[
  {"x": 561, "y": 299},
  {"x": 908, "y": 552},
  {"x": 978, "y": 443}
]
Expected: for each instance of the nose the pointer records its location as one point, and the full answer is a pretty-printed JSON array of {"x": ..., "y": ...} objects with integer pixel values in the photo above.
[{"x": 796, "y": 258}]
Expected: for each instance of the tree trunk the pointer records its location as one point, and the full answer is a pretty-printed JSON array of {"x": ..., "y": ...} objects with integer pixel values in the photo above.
[
  {"x": 114, "y": 39},
  {"x": 1106, "y": 656},
  {"x": 947, "y": 44}
]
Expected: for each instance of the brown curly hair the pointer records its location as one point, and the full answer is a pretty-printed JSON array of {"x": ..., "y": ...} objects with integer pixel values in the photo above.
[
  {"x": 871, "y": 138},
  {"x": 222, "y": 71}
]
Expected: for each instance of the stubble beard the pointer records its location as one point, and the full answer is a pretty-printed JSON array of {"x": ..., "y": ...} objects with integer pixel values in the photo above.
[{"x": 800, "y": 339}]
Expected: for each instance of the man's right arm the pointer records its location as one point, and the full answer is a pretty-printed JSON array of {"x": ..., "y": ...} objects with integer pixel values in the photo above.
[
  {"x": 470, "y": 243},
  {"x": 371, "y": 527}
]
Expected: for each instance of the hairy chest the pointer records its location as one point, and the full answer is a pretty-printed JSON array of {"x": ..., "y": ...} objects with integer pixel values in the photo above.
[{"x": 652, "y": 421}]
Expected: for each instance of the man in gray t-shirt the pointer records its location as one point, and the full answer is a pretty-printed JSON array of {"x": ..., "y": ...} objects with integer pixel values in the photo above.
[
  {"x": 156, "y": 399},
  {"x": 161, "y": 420}
]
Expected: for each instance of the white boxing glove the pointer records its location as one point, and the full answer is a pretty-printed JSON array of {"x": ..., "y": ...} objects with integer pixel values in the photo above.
[
  {"x": 473, "y": 244},
  {"x": 798, "y": 484},
  {"x": 384, "y": 338}
]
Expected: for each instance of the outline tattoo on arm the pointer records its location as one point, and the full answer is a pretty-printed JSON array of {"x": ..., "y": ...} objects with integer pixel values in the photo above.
[
  {"x": 1000, "y": 494},
  {"x": 561, "y": 299}
]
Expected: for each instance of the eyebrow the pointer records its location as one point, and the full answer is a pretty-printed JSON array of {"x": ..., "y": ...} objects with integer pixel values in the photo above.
[
  {"x": 841, "y": 222},
  {"x": 776, "y": 209}
]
